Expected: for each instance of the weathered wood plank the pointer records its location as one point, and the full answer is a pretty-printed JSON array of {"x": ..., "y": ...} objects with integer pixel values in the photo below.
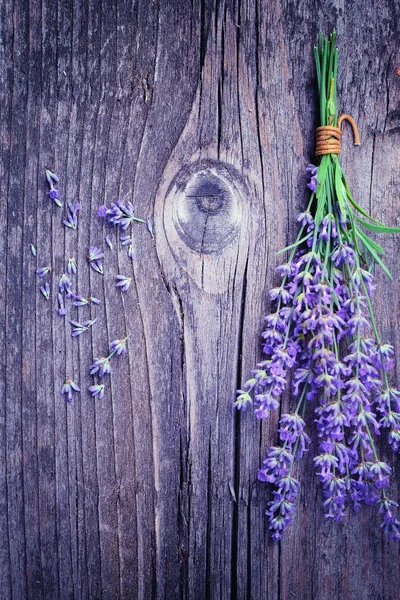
[{"x": 203, "y": 115}]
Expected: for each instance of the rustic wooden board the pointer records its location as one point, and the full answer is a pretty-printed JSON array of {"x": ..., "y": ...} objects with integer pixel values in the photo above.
[{"x": 202, "y": 114}]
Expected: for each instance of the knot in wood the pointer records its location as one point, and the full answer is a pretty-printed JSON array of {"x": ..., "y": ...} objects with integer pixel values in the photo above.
[{"x": 207, "y": 208}]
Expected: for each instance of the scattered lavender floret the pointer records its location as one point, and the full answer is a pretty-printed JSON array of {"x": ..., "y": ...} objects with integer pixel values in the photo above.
[
  {"x": 149, "y": 223},
  {"x": 131, "y": 252},
  {"x": 124, "y": 282},
  {"x": 65, "y": 284},
  {"x": 81, "y": 301},
  {"x": 78, "y": 328},
  {"x": 119, "y": 214},
  {"x": 53, "y": 193},
  {"x": 97, "y": 390},
  {"x": 72, "y": 217},
  {"x": 42, "y": 271},
  {"x": 108, "y": 242},
  {"x": 71, "y": 266},
  {"x": 118, "y": 346},
  {"x": 125, "y": 240},
  {"x": 33, "y": 250},
  {"x": 69, "y": 388},
  {"x": 62, "y": 311},
  {"x": 95, "y": 255},
  {"x": 101, "y": 366},
  {"x": 45, "y": 290}
]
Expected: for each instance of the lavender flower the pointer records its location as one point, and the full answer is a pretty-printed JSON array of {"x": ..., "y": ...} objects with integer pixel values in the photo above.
[
  {"x": 71, "y": 266},
  {"x": 118, "y": 346},
  {"x": 69, "y": 388},
  {"x": 33, "y": 250},
  {"x": 312, "y": 171},
  {"x": 78, "y": 328},
  {"x": 45, "y": 290},
  {"x": 124, "y": 282},
  {"x": 125, "y": 240},
  {"x": 42, "y": 271},
  {"x": 119, "y": 214},
  {"x": 65, "y": 284},
  {"x": 101, "y": 366},
  {"x": 97, "y": 390},
  {"x": 95, "y": 255},
  {"x": 62, "y": 311},
  {"x": 108, "y": 241},
  {"x": 131, "y": 252},
  {"x": 81, "y": 301},
  {"x": 53, "y": 193},
  {"x": 149, "y": 224},
  {"x": 72, "y": 217}
]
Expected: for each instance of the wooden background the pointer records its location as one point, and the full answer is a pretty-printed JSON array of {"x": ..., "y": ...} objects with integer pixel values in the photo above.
[{"x": 203, "y": 115}]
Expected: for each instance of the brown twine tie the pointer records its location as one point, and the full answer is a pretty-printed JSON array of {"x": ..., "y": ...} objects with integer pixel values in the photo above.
[{"x": 328, "y": 137}]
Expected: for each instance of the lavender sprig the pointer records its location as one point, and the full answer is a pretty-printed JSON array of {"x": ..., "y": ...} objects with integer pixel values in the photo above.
[
  {"x": 102, "y": 365},
  {"x": 45, "y": 290},
  {"x": 97, "y": 390},
  {"x": 94, "y": 256},
  {"x": 119, "y": 214},
  {"x": 123, "y": 282},
  {"x": 42, "y": 271},
  {"x": 53, "y": 193},
  {"x": 72, "y": 217},
  {"x": 69, "y": 388},
  {"x": 323, "y": 329},
  {"x": 79, "y": 328}
]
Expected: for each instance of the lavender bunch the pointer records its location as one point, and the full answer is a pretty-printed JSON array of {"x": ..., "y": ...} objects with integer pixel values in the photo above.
[{"x": 323, "y": 330}]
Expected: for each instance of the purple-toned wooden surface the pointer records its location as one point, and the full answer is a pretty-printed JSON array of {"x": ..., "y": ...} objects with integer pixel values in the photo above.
[{"x": 203, "y": 115}]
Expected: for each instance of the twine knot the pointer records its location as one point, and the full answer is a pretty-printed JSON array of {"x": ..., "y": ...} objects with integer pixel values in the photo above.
[{"x": 328, "y": 137}]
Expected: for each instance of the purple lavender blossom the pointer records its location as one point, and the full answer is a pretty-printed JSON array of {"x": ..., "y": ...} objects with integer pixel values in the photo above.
[
  {"x": 124, "y": 282},
  {"x": 107, "y": 239},
  {"x": 81, "y": 301},
  {"x": 94, "y": 256},
  {"x": 79, "y": 328},
  {"x": 119, "y": 214},
  {"x": 53, "y": 193},
  {"x": 62, "y": 311},
  {"x": 101, "y": 366},
  {"x": 72, "y": 217},
  {"x": 65, "y": 284},
  {"x": 312, "y": 171},
  {"x": 322, "y": 306},
  {"x": 69, "y": 388},
  {"x": 33, "y": 250},
  {"x": 125, "y": 240},
  {"x": 118, "y": 346},
  {"x": 131, "y": 252},
  {"x": 42, "y": 271},
  {"x": 97, "y": 390},
  {"x": 45, "y": 290},
  {"x": 71, "y": 266}
]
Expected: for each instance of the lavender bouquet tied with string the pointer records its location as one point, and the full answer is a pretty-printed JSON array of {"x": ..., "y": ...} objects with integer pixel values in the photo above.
[{"x": 323, "y": 330}]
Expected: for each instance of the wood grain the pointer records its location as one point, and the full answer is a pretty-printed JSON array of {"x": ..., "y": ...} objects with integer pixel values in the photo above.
[{"x": 202, "y": 114}]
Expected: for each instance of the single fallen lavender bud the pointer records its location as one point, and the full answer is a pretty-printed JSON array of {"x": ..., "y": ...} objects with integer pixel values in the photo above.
[
  {"x": 54, "y": 193},
  {"x": 65, "y": 284},
  {"x": 94, "y": 256},
  {"x": 108, "y": 242},
  {"x": 125, "y": 240},
  {"x": 42, "y": 271},
  {"x": 149, "y": 224},
  {"x": 131, "y": 252},
  {"x": 81, "y": 301},
  {"x": 72, "y": 217},
  {"x": 123, "y": 282},
  {"x": 71, "y": 266},
  {"x": 62, "y": 311},
  {"x": 45, "y": 290},
  {"x": 97, "y": 390},
  {"x": 33, "y": 250},
  {"x": 69, "y": 388},
  {"x": 78, "y": 328}
]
